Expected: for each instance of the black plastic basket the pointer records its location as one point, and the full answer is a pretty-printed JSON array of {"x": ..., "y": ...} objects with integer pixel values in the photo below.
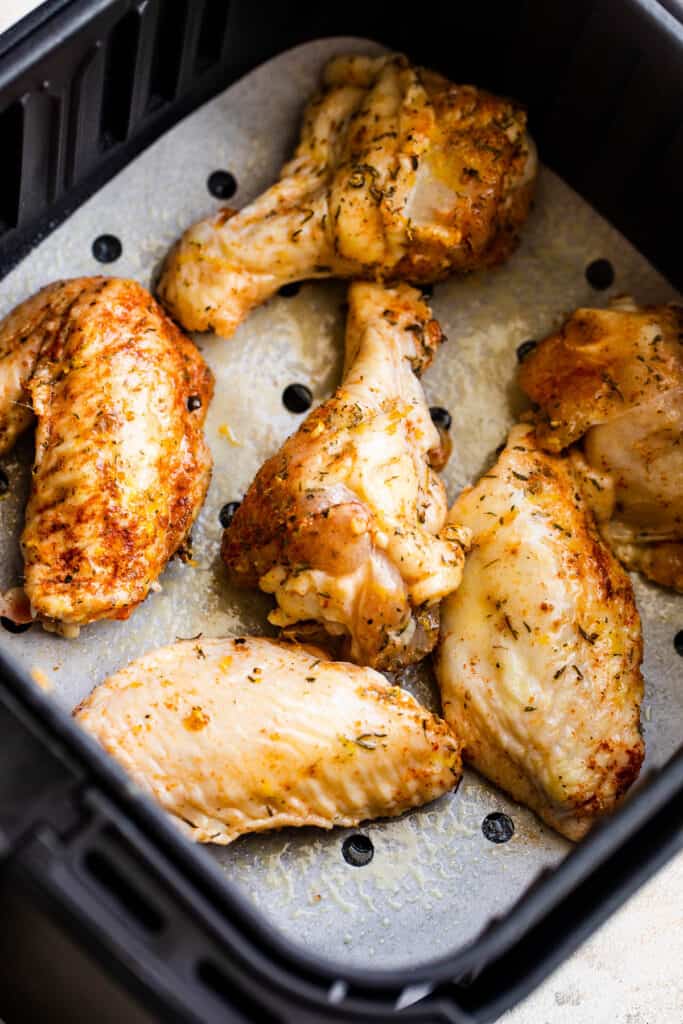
[{"x": 108, "y": 914}]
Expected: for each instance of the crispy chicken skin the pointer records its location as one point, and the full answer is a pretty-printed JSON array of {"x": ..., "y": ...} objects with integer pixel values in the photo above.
[
  {"x": 539, "y": 663},
  {"x": 610, "y": 383},
  {"x": 346, "y": 524},
  {"x": 121, "y": 466},
  {"x": 399, "y": 174},
  {"x": 245, "y": 735}
]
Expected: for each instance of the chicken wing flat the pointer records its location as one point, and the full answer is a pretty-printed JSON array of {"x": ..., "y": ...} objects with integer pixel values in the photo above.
[
  {"x": 539, "y": 664},
  {"x": 346, "y": 524},
  {"x": 245, "y": 735},
  {"x": 121, "y": 466},
  {"x": 611, "y": 383},
  {"x": 399, "y": 174}
]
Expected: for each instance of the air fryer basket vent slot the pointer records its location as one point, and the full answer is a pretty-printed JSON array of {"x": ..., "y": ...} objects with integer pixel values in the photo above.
[
  {"x": 12, "y": 134},
  {"x": 119, "y": 79},
  {"x": 122, "y": 891},
  {"x": 168, "y": 54},
  {"x": 222, "y": 986},
  {"x": 211, "y": 34}
]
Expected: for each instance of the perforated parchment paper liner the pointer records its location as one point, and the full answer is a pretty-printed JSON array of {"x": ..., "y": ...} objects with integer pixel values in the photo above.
[{"x": 434, "y": 880}]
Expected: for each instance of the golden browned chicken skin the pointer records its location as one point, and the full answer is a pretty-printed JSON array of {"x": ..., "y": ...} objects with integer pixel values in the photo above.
[
  {"x": 539, "y": 661},
  {"x": 610, "y": 384},
  {"x": 399, "y": 174},
  {"x": 121, "y": 466},
  {"x": 247, "y": 735},
  {"x": 346, "y": 525}
]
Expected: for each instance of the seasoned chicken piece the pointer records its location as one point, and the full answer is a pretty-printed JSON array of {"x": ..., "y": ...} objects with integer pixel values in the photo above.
[
  {"x": 22, "y": 334},
  {"x": 399, "y": 174},
  {"x": 121, "y": 466},
  {"x": 346, "y": 525},
  {"x": 541, "y": 644},
  {"x": 611, "y": 382},
  {"x": 235, "y": 736}
]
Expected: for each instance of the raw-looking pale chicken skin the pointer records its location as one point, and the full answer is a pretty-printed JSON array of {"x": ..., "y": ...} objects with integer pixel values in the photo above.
[
  {"x": 399, "y": 174},
  {"x": 346, "y": 524},
  {"x": 244, "y": 735},
  {"x": 121, "y": 467},
  {"x": 539, "y": 662},
  {"x": 610, "y": 382}
]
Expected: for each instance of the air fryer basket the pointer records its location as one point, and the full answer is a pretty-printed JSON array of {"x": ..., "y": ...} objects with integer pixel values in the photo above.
[{"x": 88, "y": 865}]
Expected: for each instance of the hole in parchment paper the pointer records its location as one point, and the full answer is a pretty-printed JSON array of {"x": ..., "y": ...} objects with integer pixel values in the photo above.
[
  {"x": 600, "y": 274},
  {"x": 288, "y": 290},
  {"x": 678, "y": 642},
  {"x": 106, "y": 248},
  {"x": 4, "y": 482},
  {"x": 498, "y": 827},
  {"x": 297, "y": 397},
  {"x": 440, "y": 417},
  {"x": 222, "y": 184},
  {"x": 14, "y": 627},
  {"x": 525, "y": 348},
  {"x": 358, "y": 850},
  {"x": 227, "y": 513}
]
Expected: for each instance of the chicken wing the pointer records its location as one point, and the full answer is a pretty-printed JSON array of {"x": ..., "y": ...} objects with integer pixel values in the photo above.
[
  {"x": 611, "y": 383},
  {"x": 121, "y": 466},
  {"x": 346, "y": 524},
  {"x": 399, "y": 174},
  {"x": 244, "y": 735},
  {"x": 541, "y": 644}
]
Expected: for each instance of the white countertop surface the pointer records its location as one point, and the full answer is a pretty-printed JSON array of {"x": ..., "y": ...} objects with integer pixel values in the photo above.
[
  {"x": 631, "y": 970},
  {"x": 12, "y": 10}
]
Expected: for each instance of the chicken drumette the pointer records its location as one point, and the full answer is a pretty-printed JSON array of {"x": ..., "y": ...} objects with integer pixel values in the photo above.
[
  {"x": 244, "y": 735},
  {"x": 539, "y": 664},
  {"x": 121, "y": 467},
  {"x": 346, "y": 525},
  {"x": 610, "y": 383},
  {"x": 399, "y": 174}
]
